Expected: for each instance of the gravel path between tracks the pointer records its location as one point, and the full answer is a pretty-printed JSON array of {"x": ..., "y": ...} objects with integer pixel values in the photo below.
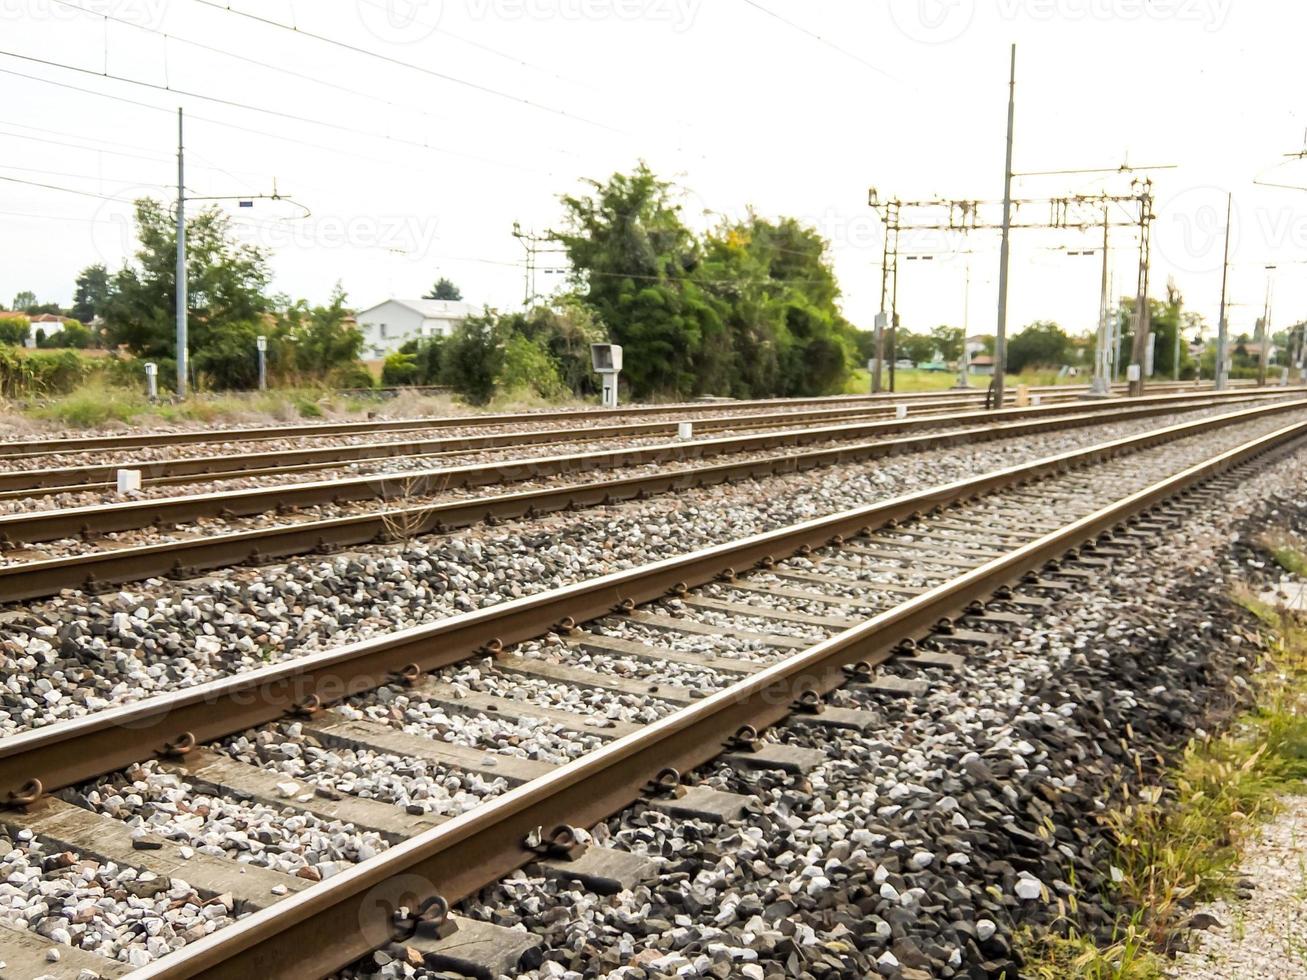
[
  {"x": 918, "y": 849},
  {"x": 75, "y": 654}
]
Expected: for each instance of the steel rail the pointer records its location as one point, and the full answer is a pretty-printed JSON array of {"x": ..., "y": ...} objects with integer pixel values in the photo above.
[
  {"x": 23, "y": 484},
  {"x": 94, "y": 570},
  {"x": 47, "y": 525},
  {"x": 327, "y": 926},
  {"x": 253, "y": 434},
  {"x": 79, "y": 749}
]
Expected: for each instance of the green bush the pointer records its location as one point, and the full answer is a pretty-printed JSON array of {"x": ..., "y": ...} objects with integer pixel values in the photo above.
[
  {"x": 354, "y": 375},
  {"x": 28, "y": 375},
  {"x": 73, "y": 334},
  {"x": 14, "y": 329},
  {"x": 471, "y": 358},
  {"x": 399, "y": 369},
  {"x": 526, "y": 366}
]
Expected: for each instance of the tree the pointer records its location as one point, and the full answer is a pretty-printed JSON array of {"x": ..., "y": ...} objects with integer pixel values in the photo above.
[
  {"x": 325, "y": 338},
  {"x": 472, "y": 357},
  {"x": 948, "y": 342},
  {"x": 226, "y": 282},
  {"x": 24, "y": 301},
  {"x": 564, "y": 329},
  {"x": 919, "y": 348},
  {"x": 93, "y": 289},
  {"x": 444, "y": 289},
  {"x": 777, "y": 300},
  {"x": 1041, "y": 344},
  {"x": 632, "y": 259}
]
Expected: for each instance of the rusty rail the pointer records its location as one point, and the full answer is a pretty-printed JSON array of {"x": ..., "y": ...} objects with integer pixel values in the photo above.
[
  {"x": 48, "y": 525},
  {"x": 327, "y": 926},
  {"x": 254, "y": 434},
  {"x": 97, "y": 569}
]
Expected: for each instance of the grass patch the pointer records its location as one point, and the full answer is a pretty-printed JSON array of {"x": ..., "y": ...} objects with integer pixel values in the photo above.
[
  {"x": 93, "y": 406},
  {"x": 1181, "y": 846},
  {"x": 1285, "y": 550},
  {"x": 915, "y": 379}
]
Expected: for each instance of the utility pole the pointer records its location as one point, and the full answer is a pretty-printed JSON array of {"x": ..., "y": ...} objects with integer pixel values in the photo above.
[
  {"x": 1000, "y": 338},
  {"x": 181, "y": 263},
  {"x": 1222, "y": 328},
  {"x": 1264, "y": 353},
  {"x": 964, "y": 367},
  {"x": 1140, "y": 345},
  {"x": 1102, "y": 384}
]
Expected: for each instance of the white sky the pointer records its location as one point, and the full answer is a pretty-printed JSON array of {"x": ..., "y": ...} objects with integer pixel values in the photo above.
[{"x": 423, "y": 176}]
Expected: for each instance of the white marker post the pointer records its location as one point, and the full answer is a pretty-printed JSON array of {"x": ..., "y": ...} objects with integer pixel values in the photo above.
[
  {"x": 152, "y": 381},
  {"x": 261, "y": 342},
  {"x": 607, "y": 361}
]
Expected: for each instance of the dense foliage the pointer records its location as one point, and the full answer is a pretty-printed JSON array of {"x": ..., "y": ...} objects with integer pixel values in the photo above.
[{"x": 748, "y": 309}]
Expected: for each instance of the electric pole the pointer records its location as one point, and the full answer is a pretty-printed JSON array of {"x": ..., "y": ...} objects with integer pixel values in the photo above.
[
  {"x": 1102, "y": 384},
  {"x": 181, "y": 263},
  {"x": 1264, "y": 331},
  {"x": 1139, "y": 348},
  {"x": 1000, "y": 337},
  {"x": 1222, "y": 329}
]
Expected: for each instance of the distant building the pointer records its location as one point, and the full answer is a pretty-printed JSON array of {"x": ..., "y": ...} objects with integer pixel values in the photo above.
[
  {"x": 387, "y": 326},
  {"x": 982, "y": 364}
]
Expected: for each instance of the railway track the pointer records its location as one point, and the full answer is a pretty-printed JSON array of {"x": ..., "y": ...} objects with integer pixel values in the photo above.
[
  {"x": 101, "y": 477},
  {"x": 17, "y": 449},
  {"x": 717, "y": 646},
  {"x": 422, "y": 502}
]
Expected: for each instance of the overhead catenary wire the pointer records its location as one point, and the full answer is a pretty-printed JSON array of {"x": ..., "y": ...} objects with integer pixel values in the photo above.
[
  {"x": 820, "y": 39},
  {"x": 249, "y": 107},
  {"x": 444, "y": 76},
  {"x": 270, "y": 66}
]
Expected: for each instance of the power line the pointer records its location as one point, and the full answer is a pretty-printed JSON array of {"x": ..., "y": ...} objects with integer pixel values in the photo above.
[
  {"x": 454, "y": 79},
  {"x": 435, "y": 28},
  {"x": 270, "y": 66},
  {"x": 64, "y": 173},
  {"x": 819, "y": 39},
  {"x": 56, "y": 187},
  {"x": 239, "y": 105}
]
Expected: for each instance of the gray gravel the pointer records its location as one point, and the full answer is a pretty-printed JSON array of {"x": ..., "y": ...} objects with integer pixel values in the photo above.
[
  {"x": 95, "y": 651},
  {"x": 918, "y": 849}
]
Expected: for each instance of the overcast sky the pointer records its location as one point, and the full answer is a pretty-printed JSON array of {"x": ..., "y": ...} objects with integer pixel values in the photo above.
[{"x": 481, "y": 112}]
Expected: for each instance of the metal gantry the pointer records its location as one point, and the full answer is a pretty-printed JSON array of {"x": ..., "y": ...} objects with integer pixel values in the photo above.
[{"x": 1078, "y": 212}]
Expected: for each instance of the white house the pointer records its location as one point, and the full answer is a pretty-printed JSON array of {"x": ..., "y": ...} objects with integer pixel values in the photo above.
[{"x": 389, "y": 325}]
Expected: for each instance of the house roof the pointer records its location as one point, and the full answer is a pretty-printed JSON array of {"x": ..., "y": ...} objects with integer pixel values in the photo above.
[
  {"x": 983, "y": 360},
  {"x": 430, "y": 307}
]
